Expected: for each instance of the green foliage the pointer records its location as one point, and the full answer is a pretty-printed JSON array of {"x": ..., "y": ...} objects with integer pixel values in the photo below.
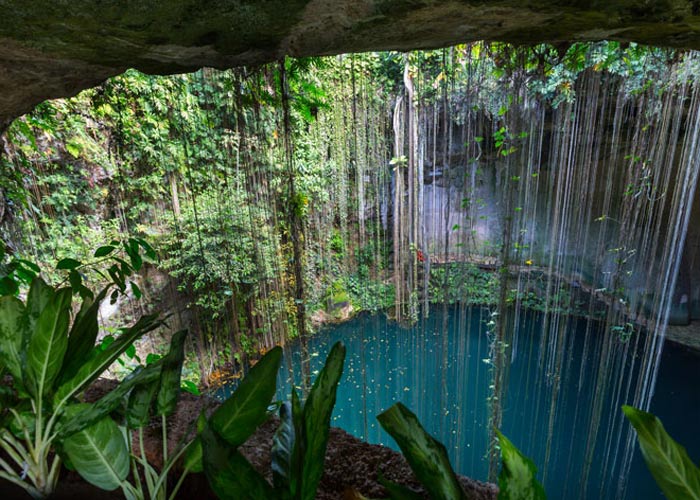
[
  {"x": 669, "y": 463},
  {"x": 99, "y": 452},
  {"x": 14, "y": 272},
  {"x": 51, "y": 363},
  {"x": 429, "y": 461},
  {"x": 242, "y": 413},
  {"x": 465, "y": 283},
  {"x": 312, "y": 425},
  {"x": 426, "y": 456},
  {"x": 198, "y": 164},
  {"x": 229, "y": 474},
  {"x": 517, "y": 480},
  {"x": 299, "y": 445}
]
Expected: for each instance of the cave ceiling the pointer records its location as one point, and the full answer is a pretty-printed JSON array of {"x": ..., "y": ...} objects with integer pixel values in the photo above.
[{"x": 56, "y": 48}]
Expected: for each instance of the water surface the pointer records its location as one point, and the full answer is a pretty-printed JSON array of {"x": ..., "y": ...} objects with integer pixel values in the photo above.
[{"x": 444, "y": 378}]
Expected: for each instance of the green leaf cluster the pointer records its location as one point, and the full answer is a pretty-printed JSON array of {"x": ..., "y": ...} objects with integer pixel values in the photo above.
[{"x": 51, "y": 360}]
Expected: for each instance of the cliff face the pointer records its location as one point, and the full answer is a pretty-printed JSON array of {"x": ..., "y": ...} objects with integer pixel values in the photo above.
[{"x": 57, "y": 48}]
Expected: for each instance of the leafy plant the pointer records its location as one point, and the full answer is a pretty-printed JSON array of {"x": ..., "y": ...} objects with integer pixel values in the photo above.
[
  {"x": 299, "y": 444},
  {"x": 431, "y": 465},
  {"x": 229, "y": 473},
  {"x": 667, "y": 460},
  {"x": 51, "y": 361},
  {"x": 426, "y": 456},
  {"x": 517, "y": 480},
  {"x": 14, "y": 272},
  {"x": 102, "y": 453},
  {"x": 299, "y": 447}
]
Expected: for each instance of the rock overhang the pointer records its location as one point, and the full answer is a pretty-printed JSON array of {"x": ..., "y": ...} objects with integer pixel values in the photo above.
[{"x": 56, "y": 48}]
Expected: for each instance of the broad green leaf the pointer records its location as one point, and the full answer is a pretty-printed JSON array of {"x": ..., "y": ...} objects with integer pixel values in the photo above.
[
  {"x": 190, "y": 387},
  {"x": 99, "y": 454},
  {"x": 38, "y": 298},
  {"x": 103, "y": 251},
  {"x": 426, "y": 456},
  {"x": 317, "y": 420},
  {"x": 117, "y": 277},
  {"x": 136, "y": 290},
  {"x": 24, "y": 420},
  {"x": 8, "y": 286},
  {"x": 150, "y": 252},
  {"x": 397, "y": 491},
  {"x": 75, "y": 280},
  {"x": 230, "y": 475},
  {"x": 193, "y": 455},
  {"x": 517, "y": 480},
  {"x": 283, "y": 448},
  {"x": 12, "y": 314},
  {"x": 139, "y": 405},
  {"x": 169, "y": 387},
  {"x": 668, "y": 461},
  {"x": 68, "y": 264},
  {"x": 100, "y": 360},
  {"x": 246, "y": 409},
  {"x": 30, "y": 265},
  {"x": 296, "y": 462},
  {"x": 72, "y": 423},
  {"x": 82, "y": 336},
  {"x": 132, "y": 250},
  {"x": 49, "y": 342}
]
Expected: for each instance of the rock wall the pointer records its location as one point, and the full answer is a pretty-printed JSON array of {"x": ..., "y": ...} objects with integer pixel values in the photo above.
[{"x": 57, "y": 48}]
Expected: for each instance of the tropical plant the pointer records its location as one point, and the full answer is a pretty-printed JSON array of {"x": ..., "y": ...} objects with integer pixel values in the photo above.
[
  {"x": 426, "y": 456},
  {"x": 228, "y": 472},
  {"x": 102, "y": 453},
  {"x": 50, "y": 361},
  {"x": 299, "y": 445},
  {"x": 431, "y": 465},
  {"x": 667, "y": 460},
  {"x": 517, "y": 480}
]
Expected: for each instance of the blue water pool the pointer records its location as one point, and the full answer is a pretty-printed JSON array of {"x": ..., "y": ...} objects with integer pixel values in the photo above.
[{"x": 438, "y": 369}]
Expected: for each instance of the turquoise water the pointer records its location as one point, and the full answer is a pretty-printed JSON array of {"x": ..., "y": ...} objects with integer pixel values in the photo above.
[{"x": 406, "y": 364}]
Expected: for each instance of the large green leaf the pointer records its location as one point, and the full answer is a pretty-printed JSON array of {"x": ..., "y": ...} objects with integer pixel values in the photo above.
[
  {"x": 72, "y": 423},
  {"x": 12, "y": 314},
  {"x": 82, "y": 336},
  {"x": 49, "y": 342},
  {"x": 193, "y": 455},
  {"x": 39, "y": 296},
  {"x": 169, "y": 389},
  {"x": 99, "y": 454},
  {"x": 517, "y": 480},
  {"x": 246, "y": 409},
  {"x": 99, "y": 361},
  {"x": 230, "y": 475},
  {"x": 317, "y": 420},
  {"x": 139, "y": 405},
  {"x": 668, "y": 461},
  {"x": 426, "y": 456},
  {"x": 283, "y": 448}
]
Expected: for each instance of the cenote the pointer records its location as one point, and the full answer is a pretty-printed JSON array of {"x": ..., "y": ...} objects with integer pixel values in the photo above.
[
  {"x": 447, "y": 385},
  {"x": 501, "y": 236}
]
